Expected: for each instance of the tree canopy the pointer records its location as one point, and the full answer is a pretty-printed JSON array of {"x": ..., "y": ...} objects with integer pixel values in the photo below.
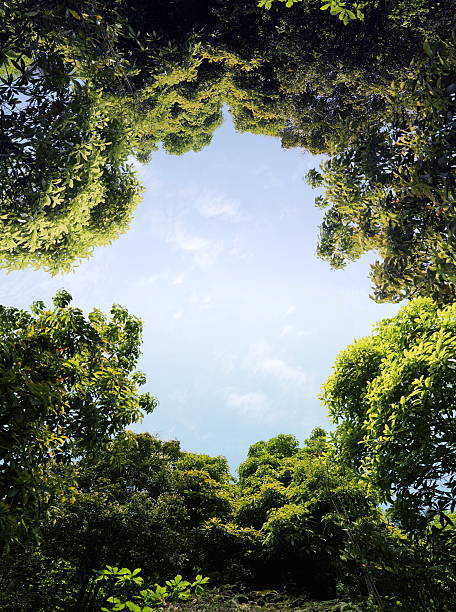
[
  {"x": 67, "y": 384},
  {"x": 85, "y": 86},
  {"x": 366, "y": 514},
  {"x": 392, "y": 396},
  {"x": 296, "y": 521},
  {"x": 392, "y": 190}
]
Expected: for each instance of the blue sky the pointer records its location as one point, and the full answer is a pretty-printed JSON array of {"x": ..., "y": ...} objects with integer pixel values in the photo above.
[{"x": 242, "y": 322}]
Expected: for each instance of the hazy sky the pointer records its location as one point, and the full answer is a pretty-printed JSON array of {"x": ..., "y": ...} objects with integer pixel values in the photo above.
[{"x": 242, "y": 322}]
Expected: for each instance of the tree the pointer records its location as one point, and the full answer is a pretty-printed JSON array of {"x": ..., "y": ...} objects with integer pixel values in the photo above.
[
  {"x": 65, "y": 185},
  {"x": 130, "y": 463},
  {"x": 70, "y": 120},
  {"x": 328, "y": 75},
  {"x": 308, "y": 526},
  {"x": 67, "y": 384},
  {"x": 141, "y": 502},
  {"x": 71, "y": 190},
  {"x": 85, "y": 85},
  {"x": 392, "y": 188},
  {"x": 392, "y": 396},
  {"x": 204, "y": 483},
  {"x": 301, "y": 503},
  {"x": 345, "y": 13},
  {"x": 323, "y": 534}
]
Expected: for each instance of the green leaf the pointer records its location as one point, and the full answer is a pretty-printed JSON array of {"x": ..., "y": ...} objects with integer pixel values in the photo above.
[{"x": 427, "y": 49}]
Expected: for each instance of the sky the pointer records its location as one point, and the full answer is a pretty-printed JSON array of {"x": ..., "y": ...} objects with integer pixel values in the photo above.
[{"x": 242, "y": 322}]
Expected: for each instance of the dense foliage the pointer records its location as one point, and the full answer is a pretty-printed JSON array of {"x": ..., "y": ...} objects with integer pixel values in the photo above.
[
  {"x": 366, "y": 516},
  {"x": 65, "y": 186},
  {"x": 296, "y": 521},
  {"x": 67, "y": 384},
  {"x": 392, "y": 394},
  {"x": 392, "y": 187},
  {"x": 85, "y": 85},
  {"x": 302, "y": 520}
]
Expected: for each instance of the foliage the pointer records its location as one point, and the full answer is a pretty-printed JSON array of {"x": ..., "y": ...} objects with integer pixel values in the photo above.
[
  {"x": 203, "y": 483},
  {"x": 300, "y": 525},
  {"x": 70, "y": 122},
  {"x": 336, "y": 7},
  {"x": 174, "y": 590},
  {"x": 323, "y": 534},
  {"x": 65, "y": 184},
  {"x": 392, "y": 188},
  {"x": 343, "y": 12},
  {"x": 268, "y": 3},
  {"x": 392, "y": 395},
  {"x": 129, "y": 464},
  {"x": 67, "y": 384},
  {"x": 59, "y": 202},
  {"x": 289, "y": 495},
  {"x": 29, "y": 580},
  {"x": 84, "y": 86},
  {"x": 135, "y": 506}
]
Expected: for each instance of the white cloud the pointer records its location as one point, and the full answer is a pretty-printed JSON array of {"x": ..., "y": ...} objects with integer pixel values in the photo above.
[
  {"x": 209, "y": 256},
  {"x": 205, "y": 251},
  {"x": 238, "y": 253},
  {"x": 252, "y": 405},
  {"x": 177, "y": 315},
  {"x": 238, "y": 250},
  {"x": 211, "y": 205},
  {"x": 204, "y": 302},
  {"x": 287, "y": 329},
  {"x": 151, "y": 279},
  {"x": 178, "y": 280},
  {"x": 261, "y": 360},
  {"x": 291, "y": 310},
  {"x": 185, "y": 241},
  {"x": 283, "y": 371}
]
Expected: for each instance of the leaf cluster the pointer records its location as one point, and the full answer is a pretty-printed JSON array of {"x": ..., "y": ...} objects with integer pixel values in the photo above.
[
  {"x": 391, "y": 189},
  {"x": 392, "y": 396},
  {"x": 67, "y": 384}
]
